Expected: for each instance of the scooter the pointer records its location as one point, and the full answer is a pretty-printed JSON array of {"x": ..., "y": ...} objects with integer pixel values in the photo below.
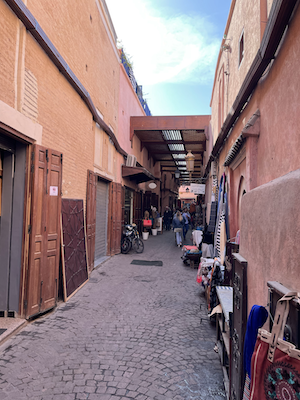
[{"x": 131, "y": 239}]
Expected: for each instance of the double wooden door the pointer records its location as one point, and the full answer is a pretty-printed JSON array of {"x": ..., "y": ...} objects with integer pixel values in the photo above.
[{"x": 44, "y": 229}]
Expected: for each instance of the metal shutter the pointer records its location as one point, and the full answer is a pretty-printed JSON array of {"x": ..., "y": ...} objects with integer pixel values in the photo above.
[{"x": 101, "y": 219}]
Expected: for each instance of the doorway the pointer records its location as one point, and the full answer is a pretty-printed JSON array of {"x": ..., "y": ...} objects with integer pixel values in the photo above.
[
  {"x": 12, "y": 193},
  {"x": 128, "y": 207},
  {"x": 101, "y": 219}
]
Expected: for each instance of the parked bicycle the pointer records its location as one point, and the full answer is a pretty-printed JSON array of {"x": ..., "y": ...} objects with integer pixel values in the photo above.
[{"x": 131, "y": 239}]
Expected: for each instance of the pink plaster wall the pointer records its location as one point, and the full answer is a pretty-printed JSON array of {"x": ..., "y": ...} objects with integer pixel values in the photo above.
[
  {"x": 269, "y": 236},
  {"x": 129, "y": 105},
  {"x": 276, "y": 151},
  {"x": 279, "y": 99}
]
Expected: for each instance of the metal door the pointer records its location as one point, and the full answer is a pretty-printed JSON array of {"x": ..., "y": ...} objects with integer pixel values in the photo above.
[
  {"x": 91, "y": 217},
  {"x": 101, "y": 219},
  {"x": 44, "y": 242}
]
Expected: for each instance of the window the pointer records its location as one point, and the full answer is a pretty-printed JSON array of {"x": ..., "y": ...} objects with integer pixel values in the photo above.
[
  {"x": 241, "y": 48},
  {"x": 221, "y": 99},
  {"x": 241, "y": 193}
]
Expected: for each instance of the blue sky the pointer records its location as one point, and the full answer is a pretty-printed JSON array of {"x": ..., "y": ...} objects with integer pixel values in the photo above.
[{"x": 173, "y": 46}]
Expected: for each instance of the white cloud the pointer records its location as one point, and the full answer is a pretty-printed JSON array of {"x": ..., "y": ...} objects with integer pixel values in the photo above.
[{"x": 164, "y": 49}]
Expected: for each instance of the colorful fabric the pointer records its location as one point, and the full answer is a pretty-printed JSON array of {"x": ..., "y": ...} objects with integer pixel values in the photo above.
[
  {"x": 257, "y": 317},
  {"x": 275, "y": 363},
  {"x": 246, "y": 394}
]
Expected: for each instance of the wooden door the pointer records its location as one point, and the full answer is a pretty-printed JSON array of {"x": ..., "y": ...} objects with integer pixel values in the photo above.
[
  {"x": 91, "y": 217},
  {"x": 115, "y": 217},
  {"x": 147, "y": 201},
  {"x": 44, "y": 241}
]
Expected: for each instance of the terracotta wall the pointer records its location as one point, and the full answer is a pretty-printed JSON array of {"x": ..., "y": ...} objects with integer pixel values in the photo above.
[
  {"x": 76, "y": 29},
  {"x": 279, "y": 99},
  {"x": 245, "y": 18},
  {"x": 67, "y": 123},
  {"x": 129, "y": 105},
  {"x": 32, "y": 84},
  {"x": 8, "y": 42},
  {"x": 270, "y": 221},
  {"x": 269, "y": 236}
]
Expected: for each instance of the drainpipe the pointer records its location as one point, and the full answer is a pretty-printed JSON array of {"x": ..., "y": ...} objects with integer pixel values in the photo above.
[
  {"x": 279, "y": 17},
  {"x": 31, "y": 24}
]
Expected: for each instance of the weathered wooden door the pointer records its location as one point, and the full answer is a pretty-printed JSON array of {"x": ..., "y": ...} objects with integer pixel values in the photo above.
[
  {"x": 115, "y": 217},
  {"x": 91, "y": 217},
  {"x": 44, "y": 242}
]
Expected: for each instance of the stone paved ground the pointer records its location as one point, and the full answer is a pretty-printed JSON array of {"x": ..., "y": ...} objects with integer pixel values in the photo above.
[{"x": 132, "y": 332}]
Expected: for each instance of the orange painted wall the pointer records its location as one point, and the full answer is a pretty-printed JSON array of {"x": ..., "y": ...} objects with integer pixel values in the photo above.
[
  {"x": 129, "y": 105},
  {"x": 76, "y": 30},
  {"x": 8, "y": 39}
]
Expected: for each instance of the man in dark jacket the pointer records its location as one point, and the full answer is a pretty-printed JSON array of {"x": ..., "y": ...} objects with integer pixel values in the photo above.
[{"x": 167, "y": 218}]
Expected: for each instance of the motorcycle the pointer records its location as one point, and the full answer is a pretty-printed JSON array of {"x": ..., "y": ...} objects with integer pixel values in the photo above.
[{"x": 131, "y": 239}]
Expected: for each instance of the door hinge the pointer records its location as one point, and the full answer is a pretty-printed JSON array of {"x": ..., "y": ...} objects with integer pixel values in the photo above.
[
  {"x": 47, "y": 159},
  {"x": 61, "y": 158},
  {"x": 29, "y": 228}
]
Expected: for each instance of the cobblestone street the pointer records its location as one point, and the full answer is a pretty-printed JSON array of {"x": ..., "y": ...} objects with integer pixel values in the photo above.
[{"x": 132, "y": 332}]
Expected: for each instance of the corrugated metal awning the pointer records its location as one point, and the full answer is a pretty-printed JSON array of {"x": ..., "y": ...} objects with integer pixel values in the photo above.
[
  {"x": 137, "y": 174},
  {"x": 233, "y": 152}
]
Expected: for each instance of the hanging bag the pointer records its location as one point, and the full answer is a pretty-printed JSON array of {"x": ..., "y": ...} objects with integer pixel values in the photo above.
[
  {"x": 275, "y": 364},
  {"x": 147, "y": 223}
]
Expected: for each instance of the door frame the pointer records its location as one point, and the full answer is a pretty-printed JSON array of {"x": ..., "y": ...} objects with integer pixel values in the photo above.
[{"x": 43, "y": 198}]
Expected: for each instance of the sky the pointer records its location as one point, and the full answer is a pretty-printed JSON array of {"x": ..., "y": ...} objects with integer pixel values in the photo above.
[{"x": 173, "y": 46}]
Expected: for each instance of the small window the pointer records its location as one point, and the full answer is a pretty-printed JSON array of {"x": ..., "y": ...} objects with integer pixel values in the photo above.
[{"x": 241, "y": 48}]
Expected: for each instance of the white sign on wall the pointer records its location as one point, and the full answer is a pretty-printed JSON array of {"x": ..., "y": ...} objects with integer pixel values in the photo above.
[
  {"x": 53, "y": 190},
  {"x": 197, "y": 188}
]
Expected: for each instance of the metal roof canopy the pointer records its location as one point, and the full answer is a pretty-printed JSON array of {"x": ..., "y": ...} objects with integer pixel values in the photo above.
[
  {"x": 137, "y": 174},
  {"x": 168, "y": 140}
]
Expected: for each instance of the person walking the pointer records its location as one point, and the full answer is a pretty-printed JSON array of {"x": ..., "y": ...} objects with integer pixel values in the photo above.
[
  {"x": 167, "y": 218},
  {"x": 186, "y": 218},
  {"x": 177, "y": 225}
]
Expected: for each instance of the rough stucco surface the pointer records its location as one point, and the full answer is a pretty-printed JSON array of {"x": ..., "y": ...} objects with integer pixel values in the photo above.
[
  {"x": 245, "y": 18},
  {"x": 270, "y": 231}
]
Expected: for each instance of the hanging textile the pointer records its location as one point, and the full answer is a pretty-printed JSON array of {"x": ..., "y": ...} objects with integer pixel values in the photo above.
[{"x": 221, "y": 232}]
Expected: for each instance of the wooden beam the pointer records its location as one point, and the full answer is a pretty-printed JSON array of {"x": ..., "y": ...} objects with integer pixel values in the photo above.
[
  {"x": 193, "y": 122},
  {"x": 176, "y": 152},
  {"x": 173, "y": 142}
]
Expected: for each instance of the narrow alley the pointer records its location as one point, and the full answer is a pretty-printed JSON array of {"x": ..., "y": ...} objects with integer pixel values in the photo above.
[{"x": 132, "y": 332}]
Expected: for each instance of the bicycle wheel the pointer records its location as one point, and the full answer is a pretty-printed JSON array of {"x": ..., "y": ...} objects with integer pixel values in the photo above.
[
  {"x": 125, "y": 245},
  {"x": 138, "y": 245}
]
